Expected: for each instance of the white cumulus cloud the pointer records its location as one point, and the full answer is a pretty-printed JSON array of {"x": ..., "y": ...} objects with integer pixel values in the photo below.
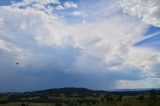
[
  {"x": 43, "y": 2},
  {"x": 70, "y": 4},
  {"x": 147, "y": 10},
  {"x": 102, "y": 46}
]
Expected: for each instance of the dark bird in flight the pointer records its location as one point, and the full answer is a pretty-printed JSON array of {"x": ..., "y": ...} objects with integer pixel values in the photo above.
[{"x": 17, "y": 63}]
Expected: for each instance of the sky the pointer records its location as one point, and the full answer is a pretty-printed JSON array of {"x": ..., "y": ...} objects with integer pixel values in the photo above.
[{"x": 96, "y": 44}]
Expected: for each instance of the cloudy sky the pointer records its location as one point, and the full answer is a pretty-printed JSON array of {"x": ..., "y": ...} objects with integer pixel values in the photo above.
[{"x": 97, "y": 44}]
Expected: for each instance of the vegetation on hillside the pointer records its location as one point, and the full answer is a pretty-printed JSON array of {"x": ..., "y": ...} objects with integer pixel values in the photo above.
[{"x": 81, "y": 97}]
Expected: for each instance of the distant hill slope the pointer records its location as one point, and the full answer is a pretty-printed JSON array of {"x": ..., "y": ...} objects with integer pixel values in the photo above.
[
  {"x": 68, "y": 91},
  {"x": 71, "y": 91}
]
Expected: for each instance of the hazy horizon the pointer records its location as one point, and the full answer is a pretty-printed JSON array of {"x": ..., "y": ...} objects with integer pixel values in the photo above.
[{"x": 95, "y": 44}]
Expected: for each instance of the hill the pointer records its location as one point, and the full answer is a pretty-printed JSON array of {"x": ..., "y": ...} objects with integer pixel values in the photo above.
[{"x": 81, "y": 97}]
